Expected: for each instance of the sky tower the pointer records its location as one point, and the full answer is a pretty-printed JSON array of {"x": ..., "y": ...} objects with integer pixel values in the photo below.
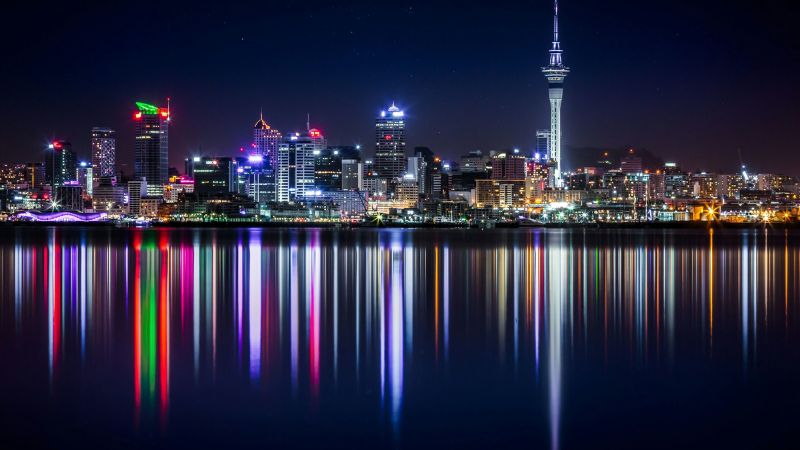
[{"x": 555, "y": 72}]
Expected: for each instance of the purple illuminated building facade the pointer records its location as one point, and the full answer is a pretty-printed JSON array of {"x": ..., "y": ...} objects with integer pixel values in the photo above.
[
  {"x": 63, "y": 216},
  {"x": 264, "y": 160}
]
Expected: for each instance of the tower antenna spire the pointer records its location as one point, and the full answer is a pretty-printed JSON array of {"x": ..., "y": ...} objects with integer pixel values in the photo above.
[
  {"x": 308, "y": 121},
  {"x": 555, "y": 72},
  {"x": 555, "y": 21}
]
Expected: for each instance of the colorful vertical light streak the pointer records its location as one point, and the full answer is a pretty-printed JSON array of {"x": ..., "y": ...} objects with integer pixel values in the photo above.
[
  {"x": 313, "y": 255},
  {"x": 254, "y": 306},
  {"x": 163, "y": 327}
]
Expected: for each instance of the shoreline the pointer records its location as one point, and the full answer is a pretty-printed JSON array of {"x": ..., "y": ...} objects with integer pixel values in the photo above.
[{"x": 343, "y": 226}]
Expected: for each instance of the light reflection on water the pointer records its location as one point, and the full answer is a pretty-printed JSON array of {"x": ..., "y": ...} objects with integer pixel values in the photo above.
[{"x": 388, "y": 337}]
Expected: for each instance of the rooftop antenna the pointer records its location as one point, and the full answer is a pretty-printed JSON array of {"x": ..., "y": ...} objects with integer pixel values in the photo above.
[
  {"x": 169, "y": 112},
  {"x": 308, "y": 121}
]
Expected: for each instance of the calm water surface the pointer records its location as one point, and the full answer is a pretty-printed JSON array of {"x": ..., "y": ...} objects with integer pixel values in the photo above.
[{"x": 399, "y": 338}]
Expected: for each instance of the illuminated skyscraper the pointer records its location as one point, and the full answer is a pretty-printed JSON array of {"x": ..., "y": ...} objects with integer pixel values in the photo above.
[
  {"x": 555, "y": 72},
  {"x": 152, "y": 146},
  {"x": 296, "y": 167},
  {"x": 390, "y": 143},
  {"x": 265, "y": 141},
  {"x": 264, "y": 161},
  {"x": 214, "y": 175},
  {"x": 104, "y": 152},
  {"x": 542, "y": 149},
  {"x": 61, "y": 164},
  {"x": 328, "y": 169}
]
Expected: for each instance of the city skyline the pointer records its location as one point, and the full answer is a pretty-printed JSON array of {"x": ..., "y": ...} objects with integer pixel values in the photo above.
[{"x": 454, "y": 104}]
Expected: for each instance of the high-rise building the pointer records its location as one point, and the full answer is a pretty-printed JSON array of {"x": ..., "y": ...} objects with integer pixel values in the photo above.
[
  {"x": 555, "y": 73},
  {"x": 390, "y": 143},
  {"x": 264, "y": 159},
  {"x": 214, "y": 175},
  {"x": 542, "y": 150},
  {"x": 265, "y": 141},
  {"x": 538, "y": 174},
  {"x": 676, "y": 182},
  {"x": 408, "y": 191},
  {"x": 428, "y": 157},
  {"x": 60, "y": 164},
  {"x": 86, "y": 177},
  {"x": 327, "y": 169},
  {"x": 136, "y": 190},
  {"x": 319, "y": 141},
  {"x": 475, "y": 161},
  {"x": 295, "y": 167},
  {"x": 152, "y": 146},
  {"x": 352, "y": 175},
  {"x": 104, "y": 152},
  {"x": 35, "y": 175},
  {"x": 508, "y": 166},
  {"x": 417, "y": 168},
  {"x": 704, "y": 185}
]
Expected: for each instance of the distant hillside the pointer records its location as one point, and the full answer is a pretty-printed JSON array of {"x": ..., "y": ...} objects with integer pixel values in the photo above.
[{"x": 588, "y": 157}]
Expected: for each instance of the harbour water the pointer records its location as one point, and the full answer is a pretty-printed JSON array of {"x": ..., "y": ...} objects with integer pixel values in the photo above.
[{"x": 399, "y": 338}]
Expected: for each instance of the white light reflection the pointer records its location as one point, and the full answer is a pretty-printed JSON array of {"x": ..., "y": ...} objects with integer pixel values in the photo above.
[
  {"x": 396, "y": 339},
  {"x": 556, "y": 278}
]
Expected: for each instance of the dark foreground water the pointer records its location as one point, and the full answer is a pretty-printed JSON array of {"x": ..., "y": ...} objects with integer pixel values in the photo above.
[{"x": 399, "y": 338}]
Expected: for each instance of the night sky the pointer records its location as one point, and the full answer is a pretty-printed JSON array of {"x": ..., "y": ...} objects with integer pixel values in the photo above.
[{"x": 699, "y": 82}]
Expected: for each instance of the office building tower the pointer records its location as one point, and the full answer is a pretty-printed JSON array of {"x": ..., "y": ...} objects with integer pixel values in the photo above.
[
  {"x": 676, "y": 182},
  {"x": 407, "y": 191},
  {"x": 508, "y": 166},
  {"x": 317, "y": 139},
  {"x": 352, "y": 175},
  {"x": 417, "y": 168},
  {"x": 35, "y": 175},
  {"x": 390, "y": 143},
  {"x": 61, "y": 163},
  {"x": 295, "y": 167},
  {"x": 327, "y": 169},
  {"x": 475, "y": 161},
  {"x": 136, "y": 190},
  {"x": 152, "y": 146},
  {"x": 428, "y": 157},
  {"x": 104, "y": 152},
  {"x": 704, "y": 185},
  {"x": 542, "y": 148},
  {"x": 555, "y": 73},
  {"x": 213, "y": 175},
  {"x": 264, "y": 160},
  {"x": 265, "y": 141},
  {"x": 85, "y": 177}
]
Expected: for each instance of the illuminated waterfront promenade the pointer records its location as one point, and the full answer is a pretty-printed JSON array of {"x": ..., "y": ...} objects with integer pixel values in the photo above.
[{"x": 549, "y": 337}]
